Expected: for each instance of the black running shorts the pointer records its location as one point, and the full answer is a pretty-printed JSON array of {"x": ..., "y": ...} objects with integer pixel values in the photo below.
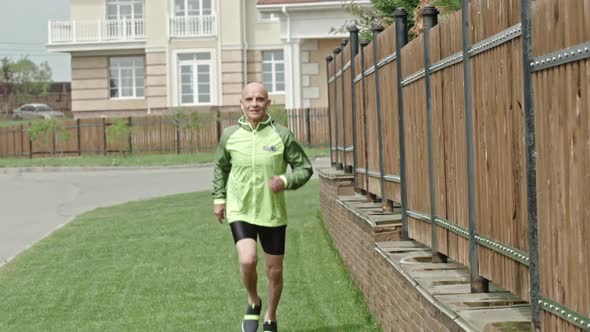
[{"x": 272, "y": 239}]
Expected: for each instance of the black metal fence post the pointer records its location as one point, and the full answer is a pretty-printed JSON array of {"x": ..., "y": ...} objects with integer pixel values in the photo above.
[
  {"x": 308, "y": 125},
  {"x": 177, "y": 135},
  {"x": 30, "y": 142},
  {"x": 478, "y": 283},
  {"x": 329, "y": 59},
  {"x": 343, "y": 107},
  {"x": 338, "y": 164},
  {"x": 401, "y": 39},
  {"x": 364, "y": 44},
  {"x": 430, "y": 19},
  {"x": 53, "y": 143},
  {"x": 13, "y": 131},
  {"x": 78, "y": 137},
  {"x": 14, "y": 149},
  {"x": 218, "y": 125},
  {"x": 22, "y": 144},
  {"x": 531, "y": 161},
  {"x": 354, "y": 49},
  {"x": 376, "y": 30},
  {"x": 104, "y": 136},
  {"x": 130, "y": 126},
  {"x": 1, "y": 146}
]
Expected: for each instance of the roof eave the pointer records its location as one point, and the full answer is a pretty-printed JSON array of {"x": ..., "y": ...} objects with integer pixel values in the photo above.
[{"x": 309, "y": 6}]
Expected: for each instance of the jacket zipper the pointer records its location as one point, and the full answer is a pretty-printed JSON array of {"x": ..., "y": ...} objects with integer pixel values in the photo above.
[{"x": 254, "y": 173}]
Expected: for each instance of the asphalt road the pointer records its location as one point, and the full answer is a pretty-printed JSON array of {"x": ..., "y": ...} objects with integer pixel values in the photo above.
[{"x": 36, "y": 202}]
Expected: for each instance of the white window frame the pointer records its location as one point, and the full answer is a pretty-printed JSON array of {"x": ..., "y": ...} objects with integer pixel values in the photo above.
[
  {"x": 119, "y": 79},
  {"x": 212, "y": 74},
  {"x": 118, "y": 4},
  {"x": 185, "y": 14},
  {"x": 273, "y": 63},
  {"x": 272, "y": 17}
]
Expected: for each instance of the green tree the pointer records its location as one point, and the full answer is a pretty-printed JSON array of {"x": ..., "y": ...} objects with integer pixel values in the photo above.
[
  {"x": 30, "y": 78},
  {"x": 118, "y": 133},
  {"x": 192, "y": 124},
  {"x": 47, "y": 131},
  {"x": 387, "y": 7},
  {"x": 6, "y": 70},
  {"x": 381, "y": 12},
  {"x": 447, "y": 6},
  {"x": 5, "y": 76},
  {"x": 279, "y": 114}
]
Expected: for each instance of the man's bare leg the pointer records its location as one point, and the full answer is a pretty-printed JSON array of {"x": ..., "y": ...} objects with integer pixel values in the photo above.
[
  {"x": 274, "y": 273},
  {"x": 248, "y": 258}
]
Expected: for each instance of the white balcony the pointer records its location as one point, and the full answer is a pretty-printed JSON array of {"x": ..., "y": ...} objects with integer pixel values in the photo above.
[
  {"x": 100, "y": 33},
  {"x": 193, "y": 26}
]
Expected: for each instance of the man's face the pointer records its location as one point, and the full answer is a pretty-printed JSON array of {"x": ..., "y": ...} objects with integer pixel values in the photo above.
[{"x": 254, "y": 102}]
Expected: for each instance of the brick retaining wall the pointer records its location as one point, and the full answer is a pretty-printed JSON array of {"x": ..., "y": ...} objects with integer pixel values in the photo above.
[{"x": 395, "y": 303}]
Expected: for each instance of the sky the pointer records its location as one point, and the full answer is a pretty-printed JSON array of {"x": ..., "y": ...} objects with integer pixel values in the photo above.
[{"x": 23, "y": 31}]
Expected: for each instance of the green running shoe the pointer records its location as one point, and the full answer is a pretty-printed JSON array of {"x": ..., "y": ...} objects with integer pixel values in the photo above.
[{"x": 251, "y": 318}]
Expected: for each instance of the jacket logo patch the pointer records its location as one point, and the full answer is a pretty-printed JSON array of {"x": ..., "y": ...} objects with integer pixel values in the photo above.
[{"x": 269, "y": 148}]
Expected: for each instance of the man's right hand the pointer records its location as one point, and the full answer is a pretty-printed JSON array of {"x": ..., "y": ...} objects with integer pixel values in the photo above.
[{"x": 219, "y": 210}]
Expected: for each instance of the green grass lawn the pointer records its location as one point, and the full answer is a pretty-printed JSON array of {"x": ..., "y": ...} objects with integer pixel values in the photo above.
[
  {"x": 166, "y": 264},
  {"x": 132, "y": 160}
]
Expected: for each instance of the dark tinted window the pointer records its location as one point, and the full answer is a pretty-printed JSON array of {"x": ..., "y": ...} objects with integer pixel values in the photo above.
[{"x": 43, "y": 108}]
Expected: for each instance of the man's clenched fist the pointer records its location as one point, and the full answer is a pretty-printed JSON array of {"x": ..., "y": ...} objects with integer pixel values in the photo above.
[{"x": 277, "y": 184}]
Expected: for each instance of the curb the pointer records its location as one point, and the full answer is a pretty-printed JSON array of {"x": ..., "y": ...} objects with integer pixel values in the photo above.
[{"x": 38, "y": 169}]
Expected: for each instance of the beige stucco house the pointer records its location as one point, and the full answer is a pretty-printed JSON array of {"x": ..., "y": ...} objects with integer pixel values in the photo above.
[{"x": 137, "y": 57}]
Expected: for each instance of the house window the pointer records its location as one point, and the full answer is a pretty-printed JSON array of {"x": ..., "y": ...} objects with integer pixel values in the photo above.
[
  {"x": 192, "y": 7},
  {"x": 273, "y": 71},
  {"x": 195, "y": 72},
  {"x": 119, "y": 9},
  {"x": 126, "y": 77},
  {"x": 268, "y": 17}
]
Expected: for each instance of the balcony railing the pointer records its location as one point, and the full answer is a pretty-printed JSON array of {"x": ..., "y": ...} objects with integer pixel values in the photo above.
[
  {"x": 71, "y": 32},
  {"x": 193, "y": 26}
]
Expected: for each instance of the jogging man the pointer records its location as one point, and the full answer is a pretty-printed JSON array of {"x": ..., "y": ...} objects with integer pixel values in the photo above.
[{"x": 248, "y": 190}]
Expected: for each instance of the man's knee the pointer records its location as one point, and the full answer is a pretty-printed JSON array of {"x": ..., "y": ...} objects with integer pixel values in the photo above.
[
  {"x": 274, "y": 271},
  {"x": 248, "y": 260},
  {"x": 247, "y": 255}
]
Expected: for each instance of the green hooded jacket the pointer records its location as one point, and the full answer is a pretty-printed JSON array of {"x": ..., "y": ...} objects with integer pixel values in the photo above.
[{"x": 245, "y": 160}]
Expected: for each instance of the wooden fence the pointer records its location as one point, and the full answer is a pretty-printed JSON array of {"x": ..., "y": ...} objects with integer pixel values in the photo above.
[
  {"x": 461, "y": 167},
  {"x": 147, "y": 135}
]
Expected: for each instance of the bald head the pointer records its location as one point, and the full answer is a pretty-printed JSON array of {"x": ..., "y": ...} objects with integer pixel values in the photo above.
[
  {"x": 254, "y": 102},
  {"x": 256, "y": 87}
]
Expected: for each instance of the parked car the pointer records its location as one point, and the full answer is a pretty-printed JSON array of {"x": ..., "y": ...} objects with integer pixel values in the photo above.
[{"x": 36, "y": 111}]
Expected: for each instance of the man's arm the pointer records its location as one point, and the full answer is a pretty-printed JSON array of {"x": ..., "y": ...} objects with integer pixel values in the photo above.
[
  {"x": 221, "y": 170},
  {"x": 299, "y": 162}
]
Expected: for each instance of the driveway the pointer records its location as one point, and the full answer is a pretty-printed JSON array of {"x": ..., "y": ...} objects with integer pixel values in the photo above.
[{"x": 35, "y": 202}]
